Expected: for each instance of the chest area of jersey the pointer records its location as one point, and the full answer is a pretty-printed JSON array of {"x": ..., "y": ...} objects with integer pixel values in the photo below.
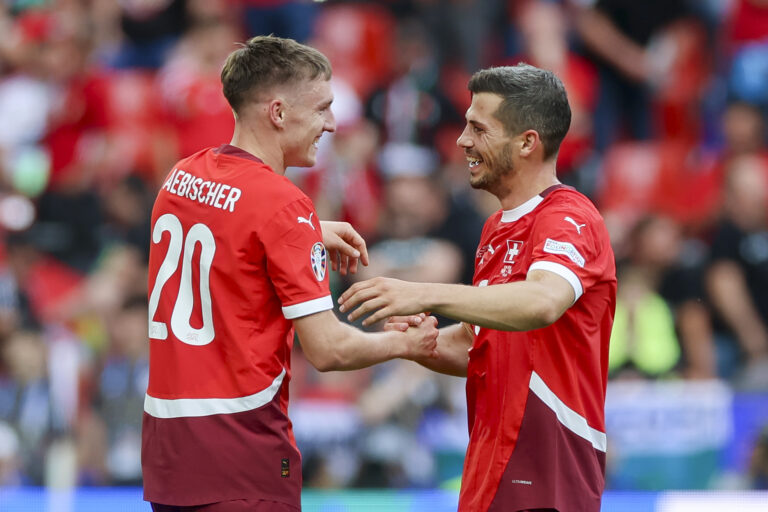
[{"x": 504, "y": 254}]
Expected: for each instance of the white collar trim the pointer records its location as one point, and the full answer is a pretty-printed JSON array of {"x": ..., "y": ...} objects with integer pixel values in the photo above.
[{"x": 518, "y": 212}]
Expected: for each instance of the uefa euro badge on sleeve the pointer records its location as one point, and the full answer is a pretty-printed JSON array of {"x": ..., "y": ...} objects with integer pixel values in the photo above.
[{"x": 317, "y": 258}]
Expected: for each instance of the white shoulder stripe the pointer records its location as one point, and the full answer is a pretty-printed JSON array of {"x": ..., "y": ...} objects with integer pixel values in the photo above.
[
  {"x": 307, "y": 308},
  {"x": 194, "y": 407},
  {"x": 564, "y": 272},
  {"x": 570, "y": 419}
]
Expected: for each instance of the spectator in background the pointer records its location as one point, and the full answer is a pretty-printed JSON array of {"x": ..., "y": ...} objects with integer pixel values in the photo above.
[
  {"x": 545, "y": 32},
  {"x": 737, "y": 277},
  {"x": 411, "y": 107},
  {"x": 414, "y": 207},
  {"x": 191, "y": 90},
  {"x": 122, "y": 383},
  {"x": 293, "y": 19},
  {"x": 622, "y": 38},
  {"x": 346, "y": 183},
  {"x": 126, "y": 215},
  {"x": 661, "y": 326},
  {"x": 150, "y": 30},
  {"x": 34, "y": 402},
  {"x": 464, "y": 31},
  {"x": 743, "y": 126}
]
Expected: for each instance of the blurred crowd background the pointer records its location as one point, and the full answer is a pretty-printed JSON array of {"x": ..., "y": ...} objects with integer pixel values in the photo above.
[{"x": 98, "y": 99}]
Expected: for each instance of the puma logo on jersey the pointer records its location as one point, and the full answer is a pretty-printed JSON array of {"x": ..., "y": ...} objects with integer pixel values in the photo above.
[
  {"x": 578, "y": 226},
  {"x": 302, "y": 220}
]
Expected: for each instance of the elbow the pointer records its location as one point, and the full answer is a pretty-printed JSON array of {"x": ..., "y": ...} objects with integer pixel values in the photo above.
[
  {"x": 325, "y": 362},
  {"x": 544, "y": 314}
]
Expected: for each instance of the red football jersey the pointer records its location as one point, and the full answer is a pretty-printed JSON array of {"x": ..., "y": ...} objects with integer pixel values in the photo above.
[
  {"x": 237, "y": 253},
  {"x": 536, "y": 398}
]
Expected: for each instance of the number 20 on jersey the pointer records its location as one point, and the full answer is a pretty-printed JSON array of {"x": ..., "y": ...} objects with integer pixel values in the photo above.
[{"x": 181, "y": 247}]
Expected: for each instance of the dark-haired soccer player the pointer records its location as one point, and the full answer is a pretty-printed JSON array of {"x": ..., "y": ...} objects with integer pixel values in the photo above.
[
  {"x": 537, "y": 322},
  {"x": 238, "y": 260}
]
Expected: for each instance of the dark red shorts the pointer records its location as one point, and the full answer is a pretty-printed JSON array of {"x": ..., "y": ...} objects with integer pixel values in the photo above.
[{"x": 230, "y": 506}]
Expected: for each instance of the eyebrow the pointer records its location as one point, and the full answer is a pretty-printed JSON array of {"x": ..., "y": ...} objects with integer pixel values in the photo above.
[{"x": 477, "y": 124}]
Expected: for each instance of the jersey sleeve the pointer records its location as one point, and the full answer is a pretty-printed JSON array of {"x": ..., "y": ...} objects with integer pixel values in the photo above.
[
  {"x": 567, "y": 241},
  {"x": 296, "y": 260}
]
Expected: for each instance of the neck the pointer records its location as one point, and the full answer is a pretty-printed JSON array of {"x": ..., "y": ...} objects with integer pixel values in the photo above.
[
  {"x": 261, "y": 143},
  {"x": 522, "y": 185}
]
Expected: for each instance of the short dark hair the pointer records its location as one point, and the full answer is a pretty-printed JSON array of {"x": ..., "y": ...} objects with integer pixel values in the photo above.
[
  {"x": 266, "y": 61},
  {"x": 533, "y": 99}
]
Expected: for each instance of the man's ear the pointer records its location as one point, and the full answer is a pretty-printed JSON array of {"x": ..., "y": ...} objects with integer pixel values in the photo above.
[
  {"x": 529, "y": 141},
  {"x": 276, "y": 110}
]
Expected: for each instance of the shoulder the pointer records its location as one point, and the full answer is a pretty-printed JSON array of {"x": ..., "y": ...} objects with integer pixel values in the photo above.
[
  {"x": 568, "y": 203},
  {"x": 570, "y": 199}
]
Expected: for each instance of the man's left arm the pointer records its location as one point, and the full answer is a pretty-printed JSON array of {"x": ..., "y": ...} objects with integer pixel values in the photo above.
[{"x": 519, "y": 306}]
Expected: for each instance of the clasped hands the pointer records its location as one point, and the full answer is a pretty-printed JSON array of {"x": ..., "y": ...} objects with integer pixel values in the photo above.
[{"x": 384, "y": 298}]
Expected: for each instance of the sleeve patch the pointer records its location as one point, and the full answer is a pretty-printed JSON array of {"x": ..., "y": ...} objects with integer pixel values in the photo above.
[{"x": 565, "y": 248}]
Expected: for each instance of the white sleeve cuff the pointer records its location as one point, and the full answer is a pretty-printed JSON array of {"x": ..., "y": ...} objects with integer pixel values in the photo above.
[
  {"x": 562, "y": 271},
  {"x": 308, "y": 308}
]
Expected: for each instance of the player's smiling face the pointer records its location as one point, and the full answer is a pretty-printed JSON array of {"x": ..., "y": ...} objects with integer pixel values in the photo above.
[
  {"x": 308, "y": 116},
  {"x": 486, "y": 145}
]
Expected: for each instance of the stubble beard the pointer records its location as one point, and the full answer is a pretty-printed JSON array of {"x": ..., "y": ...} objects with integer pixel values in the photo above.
[{"x": 496, "y": 168}]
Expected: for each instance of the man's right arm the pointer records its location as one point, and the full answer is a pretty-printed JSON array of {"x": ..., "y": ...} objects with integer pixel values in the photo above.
[{"x": 331, "y": 345}]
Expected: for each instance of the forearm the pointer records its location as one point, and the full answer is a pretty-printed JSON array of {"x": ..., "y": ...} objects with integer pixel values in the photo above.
[
  {"x": 602, "y": 36},
  {"x": 518, "y": 306},
  {"x": 336, "y": 346},
  {"x": 453, "y": 345},
  {"x": 731, "y": 299},
  {"x": 697, "y": 339}
]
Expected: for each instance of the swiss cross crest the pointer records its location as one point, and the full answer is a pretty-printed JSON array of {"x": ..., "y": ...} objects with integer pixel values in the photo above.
[{"x": 513, "y": 249}]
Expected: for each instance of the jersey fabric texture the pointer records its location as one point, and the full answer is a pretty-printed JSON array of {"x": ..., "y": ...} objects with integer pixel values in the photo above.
[
  {"x": 536, "y": 398},
  {"x": 236, "y": 254}
]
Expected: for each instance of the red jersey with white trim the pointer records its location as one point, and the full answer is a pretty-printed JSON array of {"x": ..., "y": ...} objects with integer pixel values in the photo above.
[
  {"x": 236, "y": 253},
  {"x": 536, "y": 398}
]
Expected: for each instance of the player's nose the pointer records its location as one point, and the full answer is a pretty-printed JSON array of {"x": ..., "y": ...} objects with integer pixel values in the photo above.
[
  {"x": 330, "y": 122},
  {"x": 464, "y": 141}
]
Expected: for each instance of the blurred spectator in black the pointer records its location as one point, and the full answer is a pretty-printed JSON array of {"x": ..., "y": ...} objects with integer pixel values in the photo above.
[
  {"x": 121, "y": 384},
  {"x": 544, "y": 33},
  {"x": 661, "y": 328},
  {"x": 283, "y": 18},
  {"x": 624, "y": 39},
  {"x": 464, "y": 31},
  {"x": 127, "y": 214},
  {"x": 412, "y": 107},
  {"x": 68, "y": 226},
  {"x": 737, "y": 277},
  {"x": 150, "y": 30}
]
